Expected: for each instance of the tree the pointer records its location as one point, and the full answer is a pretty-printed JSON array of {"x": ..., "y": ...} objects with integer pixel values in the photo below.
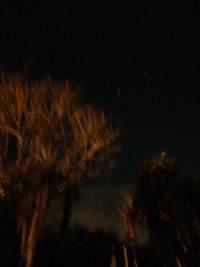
[
  {"x": 129, "y": 216},
  {"x": 169, "y": 202},
  {"x": 49, "y": 141}
]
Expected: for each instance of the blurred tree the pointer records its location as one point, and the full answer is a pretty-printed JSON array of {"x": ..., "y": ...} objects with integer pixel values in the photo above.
[
  {"x": 169, "y": 201},
  {"x": 49, "y": 141},
  {"x": 129, "y": 216}
]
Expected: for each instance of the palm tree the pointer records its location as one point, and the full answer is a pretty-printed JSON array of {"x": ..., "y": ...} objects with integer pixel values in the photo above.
[
  {"x": 49, "y": 141},
  {"x": 169, "y": 201}
]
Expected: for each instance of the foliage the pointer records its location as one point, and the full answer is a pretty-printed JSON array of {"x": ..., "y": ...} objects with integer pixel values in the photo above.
[
  {"x": 49, "y": 140},
  {"x": 169, "y": 202}
]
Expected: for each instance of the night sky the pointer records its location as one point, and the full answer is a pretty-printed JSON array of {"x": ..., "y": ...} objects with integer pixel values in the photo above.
[{"x": 142, "y": 64}]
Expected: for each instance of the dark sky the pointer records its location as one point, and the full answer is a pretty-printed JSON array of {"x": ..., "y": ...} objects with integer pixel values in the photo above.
[{"x": 148, "y": 55}]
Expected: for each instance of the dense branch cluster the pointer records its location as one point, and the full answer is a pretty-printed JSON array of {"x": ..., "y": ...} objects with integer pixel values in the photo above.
[{"x": 48, "y": 139}]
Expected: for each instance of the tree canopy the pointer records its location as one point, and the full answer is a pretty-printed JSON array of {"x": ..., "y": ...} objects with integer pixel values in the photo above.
[
  {"x": 49, "y": 140},
  {"x": 169, "y": 200}
]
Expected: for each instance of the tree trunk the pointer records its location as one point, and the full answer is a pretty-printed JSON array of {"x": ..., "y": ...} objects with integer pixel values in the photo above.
[
  {"x": 64, "y": 226},
  {"x": 29, "y": 242},
  {"x": 67, "y": 207},
  {"x": 125, "y": 256}
]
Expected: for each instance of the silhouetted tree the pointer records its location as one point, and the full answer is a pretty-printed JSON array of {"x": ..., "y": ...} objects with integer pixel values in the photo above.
[
  {"x": 49, "y": 141},
  {"x": 169, "y": 201}
]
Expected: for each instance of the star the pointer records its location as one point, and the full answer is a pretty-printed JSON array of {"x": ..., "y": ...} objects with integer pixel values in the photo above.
[
  {"x": 146, "y": 75},
  {"x": 142, "y": 20}
]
